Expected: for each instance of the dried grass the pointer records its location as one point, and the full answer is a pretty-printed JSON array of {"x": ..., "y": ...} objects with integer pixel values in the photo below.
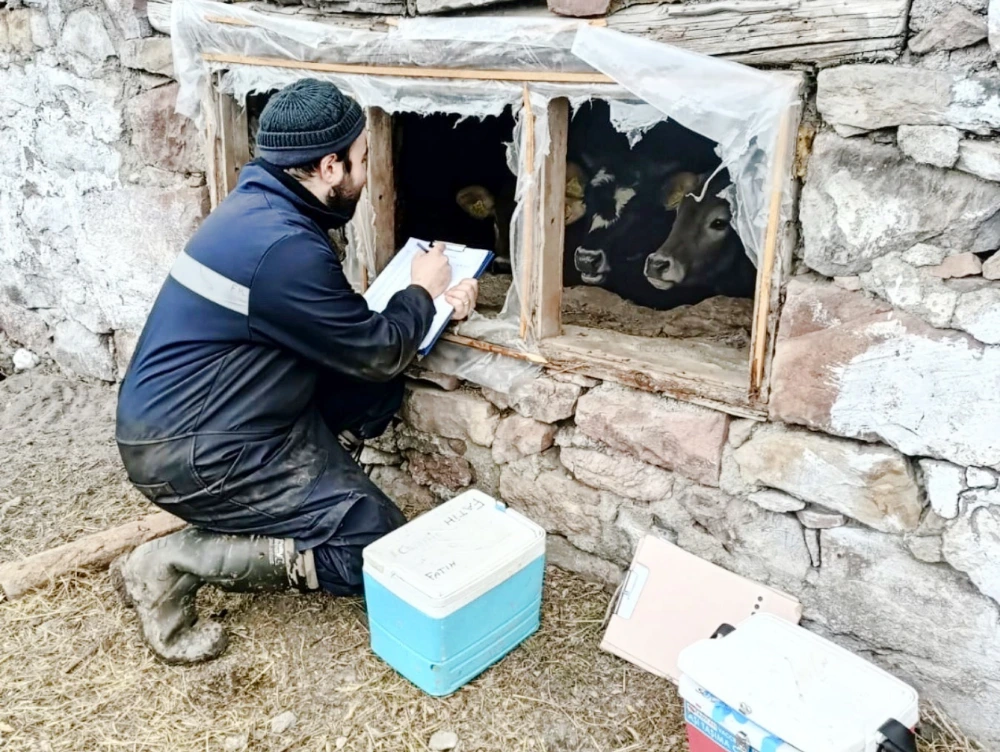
[{"x": 78, "y": 678}]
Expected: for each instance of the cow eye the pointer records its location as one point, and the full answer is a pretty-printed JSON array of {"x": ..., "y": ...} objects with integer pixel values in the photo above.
[{"x": 719, "y": 224}]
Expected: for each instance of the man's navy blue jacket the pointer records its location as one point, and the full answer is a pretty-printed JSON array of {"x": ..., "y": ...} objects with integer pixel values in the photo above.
[{"x": 256, "y": 310}]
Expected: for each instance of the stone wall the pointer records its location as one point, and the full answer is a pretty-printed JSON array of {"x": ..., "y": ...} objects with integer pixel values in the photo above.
[
  {"x": 871, "y": 493},
  {"x": 100, "y": 182}
]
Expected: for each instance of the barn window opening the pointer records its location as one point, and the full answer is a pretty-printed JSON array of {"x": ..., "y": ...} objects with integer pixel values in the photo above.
[
  {"x": 453, "y": 183},
  {"x": 650, "y": 249},
  {"x": 643, "y": 216}
]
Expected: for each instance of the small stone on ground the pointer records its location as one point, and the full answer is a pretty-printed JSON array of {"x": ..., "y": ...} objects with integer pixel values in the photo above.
[
  {"x": 444, "y": 740},
  {"x": 281, "y": 723}
]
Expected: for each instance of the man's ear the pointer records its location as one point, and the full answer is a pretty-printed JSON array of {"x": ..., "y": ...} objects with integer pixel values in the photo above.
[
  {"x": 331, "y": 170},
  {"x": 476, "y": 201}
]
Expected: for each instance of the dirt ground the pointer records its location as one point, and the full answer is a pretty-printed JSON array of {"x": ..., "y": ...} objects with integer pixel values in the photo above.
[
  {"x": 718, "y": 320},
  {"x": 75, "y": 675}
]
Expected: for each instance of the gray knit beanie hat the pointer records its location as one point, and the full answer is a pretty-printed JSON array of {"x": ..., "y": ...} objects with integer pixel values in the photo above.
[{"x": 305, "y": 121}]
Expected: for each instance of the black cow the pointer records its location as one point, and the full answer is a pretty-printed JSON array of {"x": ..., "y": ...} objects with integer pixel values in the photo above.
[{"x": 703, "y": 249}]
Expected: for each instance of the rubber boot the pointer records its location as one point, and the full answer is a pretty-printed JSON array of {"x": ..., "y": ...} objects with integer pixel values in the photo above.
[{"x": 161, "y": 578}]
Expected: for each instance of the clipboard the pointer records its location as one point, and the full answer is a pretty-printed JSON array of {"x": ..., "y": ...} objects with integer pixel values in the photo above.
[
  {"x": 670, "y": 599},
  {"x": 466, "y": 263}
]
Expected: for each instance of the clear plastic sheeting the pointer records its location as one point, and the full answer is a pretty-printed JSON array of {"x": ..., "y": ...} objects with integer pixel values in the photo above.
[
  {"x": 491, "y": 370},
  {"x": 738, "y": 107}
]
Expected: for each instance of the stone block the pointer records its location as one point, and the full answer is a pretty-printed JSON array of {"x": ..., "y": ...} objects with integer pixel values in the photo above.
[
  {"x": 843, "y": 230},
  {"x": 935, "y": 145},
  {"x": 618, "y": 474},
  {"x": 993, "y": 27},
  {"x": 561, "y": 553},
  {"x": 124, "y": 344},
  {"x": 777, "y": 501},
  {"x": 83, "y": 353},
  {"x": 540, "y": 487},
  {"x": 518, "y": 437},
  {"x": 453, "y": 473},
  {"x": 656, "y": 430},
  {"x": 24, "y": 360},
  {"x": 871, "y": 484},
  {"x": 980, "y": 158},
  {"x": 846, "y": 366},
  {"x": 579, "y": 8},
  {"x": 461, "y": 415},
  {"x": 399, "y": 486},
  {"x": 956, "y": 28},
  {"x": 978, "y": 313},
  {"x": 916, "y": 291},
  {"x": 164, "y": 138},
  {"x": 924, "y": 254},
  {"x": 991, "y": 267},
  {"x": 978, "y": 477},
  {"x": 944, "y": 482},
  {"x": 85, "y": 43},
  {"x": 816, "y": 518},
  {"x": 812, "y": 544},
  {"x": 926, "y": 548},
  {"x": 959, "y": 265},
  {"x": 873, "y": 596},
  {"x": 153, "y": 55},
  {"x": 852, "y": 283},
  {"x": 924, "y": 13},
  {"x": 372, "y": 456},
  {"x": 543, "y": 399},
  {"x": 130, "y": 17},
  {"x": 578, "y": 379},
  {"x": 871, "y": 97},
  {"x": 129, "y": 238},
  {"x": 19, "y": 31},
  {"x": 408, "y": 437},
  {"x": 485, "y": 471}
]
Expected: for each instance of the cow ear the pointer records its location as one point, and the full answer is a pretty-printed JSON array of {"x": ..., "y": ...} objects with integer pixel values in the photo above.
[
  {"x": 576, "y": 181},
  {"x": 575, "y": 209},
  {"x": 476, "y": 201},
  {"x": 679, "y": 186}
]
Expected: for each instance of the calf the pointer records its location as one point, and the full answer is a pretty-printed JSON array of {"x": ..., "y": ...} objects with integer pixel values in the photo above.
[
  {"x": 702, "y": 249},
  {"x": 498, "y": 206}
]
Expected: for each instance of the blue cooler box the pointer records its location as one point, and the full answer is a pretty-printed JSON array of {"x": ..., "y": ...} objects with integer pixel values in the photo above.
[{"x": 454, "y": 590}]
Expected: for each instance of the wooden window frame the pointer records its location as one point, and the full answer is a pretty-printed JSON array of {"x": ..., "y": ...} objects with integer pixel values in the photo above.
[{"x": 609, "y": 356}]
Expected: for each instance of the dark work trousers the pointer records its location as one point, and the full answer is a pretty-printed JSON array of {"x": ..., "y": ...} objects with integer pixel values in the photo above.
[{"x": 301, "y": 484}]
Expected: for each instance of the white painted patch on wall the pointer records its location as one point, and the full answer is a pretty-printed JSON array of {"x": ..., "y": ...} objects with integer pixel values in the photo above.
[{"x": 926, "y": 397}]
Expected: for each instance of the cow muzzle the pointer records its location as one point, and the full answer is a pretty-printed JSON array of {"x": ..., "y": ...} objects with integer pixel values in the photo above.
[
  {"x": 663, "y": 272},
  {"x": 592, "y": 265}
]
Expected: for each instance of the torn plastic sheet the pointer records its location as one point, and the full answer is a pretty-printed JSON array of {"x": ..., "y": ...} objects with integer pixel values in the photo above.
[
  {"x": 738, "y": 107},
  {"x": 491, "y": 370}
]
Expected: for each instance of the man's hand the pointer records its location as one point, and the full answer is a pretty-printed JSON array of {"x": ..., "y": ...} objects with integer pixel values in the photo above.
[
  {"x": 431, "y": 270},
  {"x": 463, "y": 298}
]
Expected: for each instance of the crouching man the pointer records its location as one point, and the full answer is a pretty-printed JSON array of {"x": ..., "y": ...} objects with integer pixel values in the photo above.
[{"x": 257, "y": 377}]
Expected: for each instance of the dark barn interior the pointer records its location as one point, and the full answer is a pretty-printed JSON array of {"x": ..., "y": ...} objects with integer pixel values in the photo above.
[{"x": 453, "y": 184}]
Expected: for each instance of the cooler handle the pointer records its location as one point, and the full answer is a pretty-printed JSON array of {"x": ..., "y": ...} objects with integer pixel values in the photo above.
[
  {"x": 722, "y": 631},
  {"x": 898, "y": 738}
]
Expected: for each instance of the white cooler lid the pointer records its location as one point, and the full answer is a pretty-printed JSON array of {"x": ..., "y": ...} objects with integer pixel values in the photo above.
[
  {"x": 811, "y": 693},
  {"x": 451, "y": 555}
]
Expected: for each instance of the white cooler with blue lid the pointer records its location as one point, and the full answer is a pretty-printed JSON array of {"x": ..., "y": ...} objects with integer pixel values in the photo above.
[
  {"x": 773, "y": 686},
  {"x": 454, "y": 590}
]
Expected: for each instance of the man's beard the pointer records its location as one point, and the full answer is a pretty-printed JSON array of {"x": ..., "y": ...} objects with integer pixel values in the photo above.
[{"x": 343, "y": 201}]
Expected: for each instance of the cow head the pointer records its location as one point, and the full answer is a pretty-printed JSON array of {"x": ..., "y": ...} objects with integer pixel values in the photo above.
[
  {"x": 700, "y": 233},
  {"x": 625, "y": 219},
  {"x": 482, "y": 204}
]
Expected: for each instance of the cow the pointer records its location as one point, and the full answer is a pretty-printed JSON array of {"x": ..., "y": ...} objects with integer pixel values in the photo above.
[
  {"x": 497, "y": 206},
  {"x": 703, "y": 249}
]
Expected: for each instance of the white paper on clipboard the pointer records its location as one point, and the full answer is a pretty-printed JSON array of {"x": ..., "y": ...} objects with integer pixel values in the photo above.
[{"x": 671, "y": 599}]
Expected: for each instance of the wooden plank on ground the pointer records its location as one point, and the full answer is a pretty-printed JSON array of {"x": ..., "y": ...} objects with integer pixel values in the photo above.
[{"x": 90, "y": 552}]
